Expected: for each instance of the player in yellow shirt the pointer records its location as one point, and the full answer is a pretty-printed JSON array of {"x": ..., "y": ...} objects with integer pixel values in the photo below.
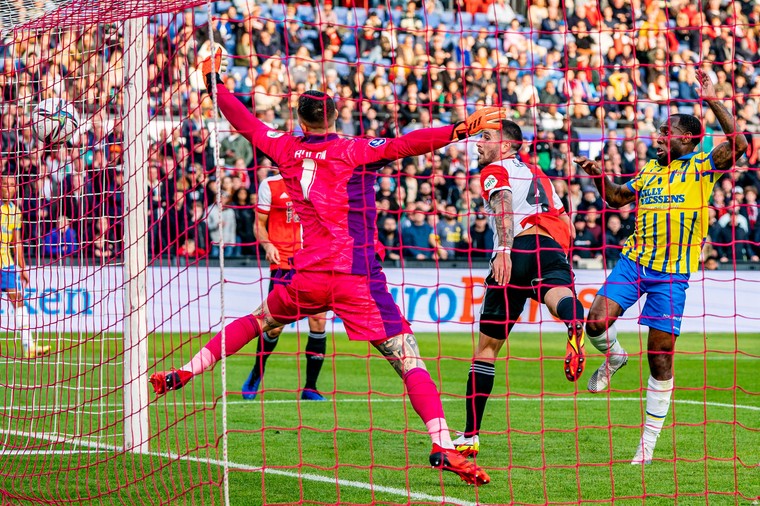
[
  {"x": 13, "y": 274},
  {"x": 672, "y": 192}
]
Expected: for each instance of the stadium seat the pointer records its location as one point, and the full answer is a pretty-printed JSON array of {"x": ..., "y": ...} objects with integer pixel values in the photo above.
[
  {"x": 481, "y": 19},
  {"x": 221, "y": 7},
  {"x": 309, "y": 34},
  {"x": 360, "y": 16},
  {"x": 349, "y": 51},
  {"x": 447, "y": 18},
  {"x": 466, "y": 20},
  {"x": 433, "y": 19},
  {"x": 342, "y": 15},
  {"x": 396, "y": 16},
  {"x": 305, "y": 13}
]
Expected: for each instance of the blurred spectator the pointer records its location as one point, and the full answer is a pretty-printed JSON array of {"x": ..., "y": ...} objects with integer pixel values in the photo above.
[
  {"x": 389, "y": 238},
  {"x": 61, "y": 241},
  {"x": 450, "y": 233},
  {"x": 481, "y": 237},
  {"x": 614, "y": 240},
  {"x": 244, "y": 220},
  {"x": 222, "y": 227},
  {"x": 418, "y": 239}
]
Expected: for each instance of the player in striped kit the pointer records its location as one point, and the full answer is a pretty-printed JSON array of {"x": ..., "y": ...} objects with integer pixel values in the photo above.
[
  {"x": 331, "y": 181},
  {"x": 531, "y": 241},
  {"x": 673, "y": 194},
  {"x": 13, "y": 274},
  {"x": 278, "y": 229}
]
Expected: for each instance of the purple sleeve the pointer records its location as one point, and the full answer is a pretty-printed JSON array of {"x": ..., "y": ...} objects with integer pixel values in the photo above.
[
  {"x": 271, "y": 142},
  {"x": 418, "y": 142}
]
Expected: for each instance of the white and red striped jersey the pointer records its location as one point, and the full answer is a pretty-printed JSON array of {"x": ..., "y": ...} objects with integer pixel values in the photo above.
[{"x": 534, "y": 201}]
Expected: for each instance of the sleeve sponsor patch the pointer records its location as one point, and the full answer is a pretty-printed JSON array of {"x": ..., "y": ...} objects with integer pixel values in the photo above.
[
  {"x": 490, "y": 182},
  {"x": 274, "y": 134},
  {"x": 376, "y": 143}
]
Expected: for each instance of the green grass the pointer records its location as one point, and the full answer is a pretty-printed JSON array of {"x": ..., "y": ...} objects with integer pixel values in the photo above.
[{"x": 545, "y": 441}]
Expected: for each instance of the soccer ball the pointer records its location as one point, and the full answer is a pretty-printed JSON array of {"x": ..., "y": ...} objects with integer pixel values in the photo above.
[{"x": 54, "y": 120}]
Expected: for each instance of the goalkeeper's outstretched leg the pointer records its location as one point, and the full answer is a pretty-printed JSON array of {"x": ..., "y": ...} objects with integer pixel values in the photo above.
[{"x": 403, "y": 354}]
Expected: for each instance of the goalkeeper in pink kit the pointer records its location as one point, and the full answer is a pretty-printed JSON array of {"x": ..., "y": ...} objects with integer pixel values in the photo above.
[{"x": 331, "y": 182}]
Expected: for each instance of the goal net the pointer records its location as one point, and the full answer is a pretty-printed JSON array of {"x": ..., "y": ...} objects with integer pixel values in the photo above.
[{"x": 139, "y": 237}]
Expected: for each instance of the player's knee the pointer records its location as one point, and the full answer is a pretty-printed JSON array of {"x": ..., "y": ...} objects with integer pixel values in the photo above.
[
  {"x": 317, "y": 325},
  {"x": 274, "y": 333},
  {"x": 598, "y": 320}
]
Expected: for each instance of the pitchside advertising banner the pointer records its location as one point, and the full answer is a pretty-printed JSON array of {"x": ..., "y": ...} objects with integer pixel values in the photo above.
[{"x": 189, "y": 299}]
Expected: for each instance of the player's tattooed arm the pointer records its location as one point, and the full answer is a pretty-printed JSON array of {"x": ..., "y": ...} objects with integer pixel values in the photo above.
[
  {"x": 402, "y": 352},
  {"x": 501, "y": 202},
  {"x": 726, "y": 153},
  {"x": 616, "y": 195}
]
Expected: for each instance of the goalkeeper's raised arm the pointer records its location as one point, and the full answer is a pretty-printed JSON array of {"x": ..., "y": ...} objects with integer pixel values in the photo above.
[{"x": 274, "y": 143}]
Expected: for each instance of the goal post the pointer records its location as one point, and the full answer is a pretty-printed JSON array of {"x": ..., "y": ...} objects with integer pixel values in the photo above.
[{"x": 136, "y": 430}]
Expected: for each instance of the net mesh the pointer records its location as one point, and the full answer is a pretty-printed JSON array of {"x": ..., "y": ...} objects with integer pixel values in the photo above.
[{"x": 583, "y": 79}]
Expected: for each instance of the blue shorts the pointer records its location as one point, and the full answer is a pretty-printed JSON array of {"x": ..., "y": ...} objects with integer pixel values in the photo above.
[
  {"x": 666, "y": 294},
  {"x": 10, "y": 279}
]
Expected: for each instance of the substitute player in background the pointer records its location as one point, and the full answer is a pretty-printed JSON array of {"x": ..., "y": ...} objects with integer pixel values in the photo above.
[
  {"x": 278, "y": 229},
  {"x": 13, "y": 274},
  {"x": 531, "y": 240},
  {"x": 331, "y": 181},
  {"x": 673, "y": 193}
]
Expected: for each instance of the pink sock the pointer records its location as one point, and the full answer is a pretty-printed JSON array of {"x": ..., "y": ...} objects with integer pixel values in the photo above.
[
  {"x": 237, "y": 334},
  {"x": 426, "y": 402}
]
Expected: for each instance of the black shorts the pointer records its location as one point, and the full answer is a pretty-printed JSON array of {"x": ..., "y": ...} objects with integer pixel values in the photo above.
[
  {"x": 279, "y": 277},
  {"x": 538, "y": 265}
]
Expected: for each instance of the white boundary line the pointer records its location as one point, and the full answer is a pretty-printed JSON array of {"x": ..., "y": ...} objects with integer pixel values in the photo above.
[
  {"x": 398, "y": 398},
  {"x": 98, "y": 447},
  {"x": 501, "y": 398}
]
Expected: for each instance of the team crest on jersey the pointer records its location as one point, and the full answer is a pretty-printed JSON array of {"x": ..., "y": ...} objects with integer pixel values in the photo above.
[
  {"x": 273, "y": 134},
  {"x": 490, "y": 182},
  {"x": 376, "y": 143}
]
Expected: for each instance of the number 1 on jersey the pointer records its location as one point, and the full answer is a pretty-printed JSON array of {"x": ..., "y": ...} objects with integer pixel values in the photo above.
[{"x": 307, "y": 176}]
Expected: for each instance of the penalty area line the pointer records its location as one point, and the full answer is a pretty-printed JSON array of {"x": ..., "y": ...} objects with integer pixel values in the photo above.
[{"x": 93, "y": 447}]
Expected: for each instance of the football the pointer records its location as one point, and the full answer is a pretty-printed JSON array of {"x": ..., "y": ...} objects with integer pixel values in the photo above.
[{"x": 55, "y": 120}]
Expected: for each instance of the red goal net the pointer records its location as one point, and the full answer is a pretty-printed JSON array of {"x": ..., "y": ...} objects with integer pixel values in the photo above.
[{"x": 126, "y": 246}]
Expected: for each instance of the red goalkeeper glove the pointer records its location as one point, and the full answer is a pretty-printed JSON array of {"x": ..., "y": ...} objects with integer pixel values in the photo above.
[
  {"x": 486, "y": 118},
  {"x": 211, "y": 66}
]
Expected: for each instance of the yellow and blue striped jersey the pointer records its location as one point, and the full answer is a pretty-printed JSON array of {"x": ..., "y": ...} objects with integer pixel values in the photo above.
[
  {"x": 10, "y": 221},
  {"x": 672, "y": 220}
]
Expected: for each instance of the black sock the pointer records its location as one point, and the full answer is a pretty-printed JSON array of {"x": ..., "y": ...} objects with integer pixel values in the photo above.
[
  {"x": 265, "y": 348},
  {"x": 315, "y": 357},
  {"x": 570, "y": 310},
  {"x": 479, "y": 386}
]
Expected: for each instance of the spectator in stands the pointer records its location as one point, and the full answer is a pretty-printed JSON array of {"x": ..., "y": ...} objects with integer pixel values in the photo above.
[
  {"x": 450, "y": 233},
  {"x": 500, "y": 14},
  {"x": 418, "y": 239},
  {"x": 614, "y": 240},
  {"x": 103, "y": 247},
  {"x": 235, "y": 146},
  {"x": 584, "y": 242},
  {"x": 733, "y": 238},
  {"x": 389, "y": 238},
  {"x": 61, "y": 241},
  {"x": 481, "y": 238}
]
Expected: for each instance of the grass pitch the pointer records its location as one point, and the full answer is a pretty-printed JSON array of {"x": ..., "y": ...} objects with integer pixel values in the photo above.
[{"x": 546, "y": 440}]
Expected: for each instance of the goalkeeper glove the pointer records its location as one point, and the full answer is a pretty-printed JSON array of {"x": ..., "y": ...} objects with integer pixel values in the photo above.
[
  {"x": 211, "y": 66},
  {"x": 486, "y": 118}
]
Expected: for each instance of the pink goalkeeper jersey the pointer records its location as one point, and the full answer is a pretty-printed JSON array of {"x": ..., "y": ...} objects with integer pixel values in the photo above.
[{"x": 331, "y": 181}]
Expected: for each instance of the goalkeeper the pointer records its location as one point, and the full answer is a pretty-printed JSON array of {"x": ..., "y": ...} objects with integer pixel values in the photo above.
[
  {"x": 673, "y": 193},
  {"x": 13, "y": 274},
  {"x": 331, "y": 182}
]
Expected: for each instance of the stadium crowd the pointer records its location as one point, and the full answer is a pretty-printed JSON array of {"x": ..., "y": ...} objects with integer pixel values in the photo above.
[{"x": 586, "y": 77}]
